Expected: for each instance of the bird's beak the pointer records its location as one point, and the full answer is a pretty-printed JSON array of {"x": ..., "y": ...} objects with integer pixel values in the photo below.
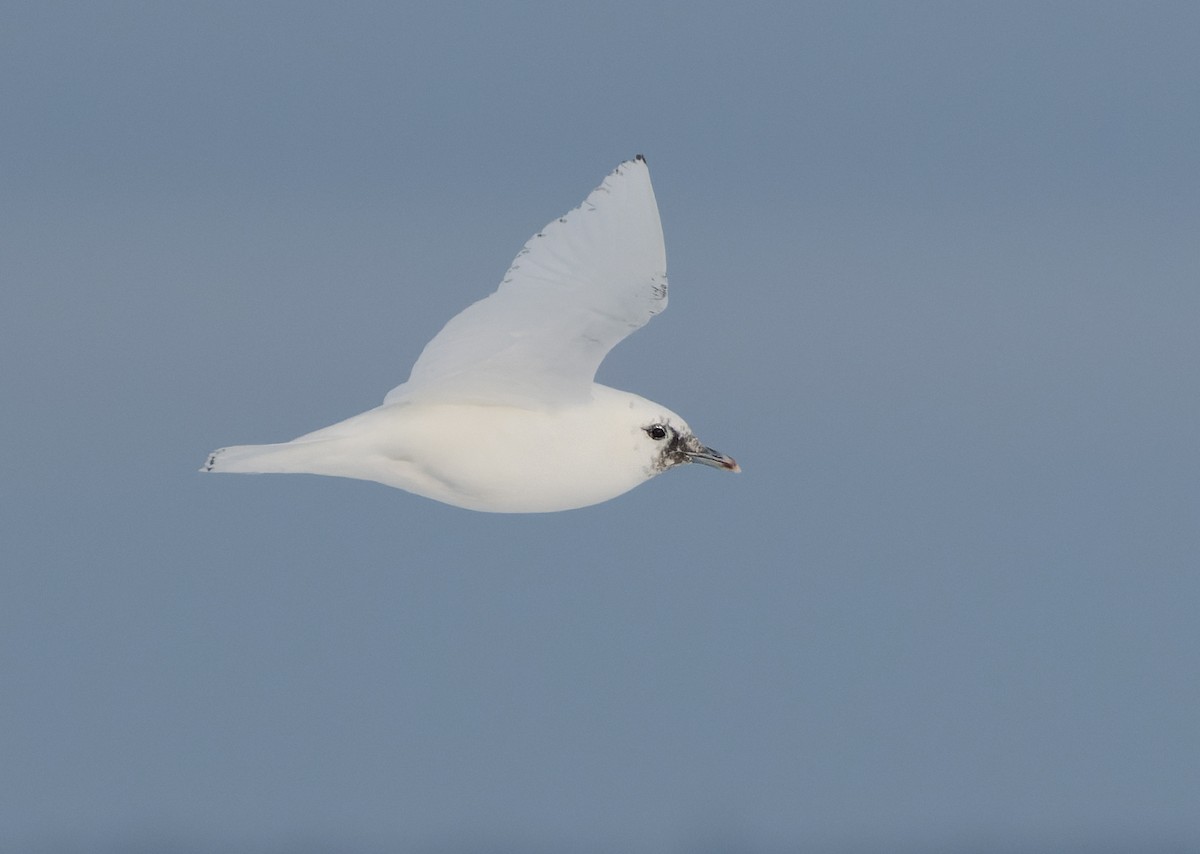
[{"x": 697, "y": 453}]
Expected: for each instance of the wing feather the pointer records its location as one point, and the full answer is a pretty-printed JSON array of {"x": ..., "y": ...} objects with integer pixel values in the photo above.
[{"x": 576, "y": 289}]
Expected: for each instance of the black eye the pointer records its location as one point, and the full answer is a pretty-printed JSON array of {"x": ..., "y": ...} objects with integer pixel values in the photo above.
[{"x": 657, "y": 432}]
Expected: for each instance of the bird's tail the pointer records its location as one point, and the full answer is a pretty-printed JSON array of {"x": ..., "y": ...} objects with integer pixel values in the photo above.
[{"x": 280, "y": 458}]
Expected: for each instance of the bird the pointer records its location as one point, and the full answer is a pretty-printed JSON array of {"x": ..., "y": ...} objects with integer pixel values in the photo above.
[{"x": 501, "y": 412}]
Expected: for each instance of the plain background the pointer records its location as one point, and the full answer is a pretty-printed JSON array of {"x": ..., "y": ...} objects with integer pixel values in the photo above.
[{"x": 935, "y": 283}]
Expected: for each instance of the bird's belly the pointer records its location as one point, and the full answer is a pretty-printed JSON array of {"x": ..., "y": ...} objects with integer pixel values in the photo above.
[
  {"x": 521, "y": 462},
  {"x": 502, "y": 479}
]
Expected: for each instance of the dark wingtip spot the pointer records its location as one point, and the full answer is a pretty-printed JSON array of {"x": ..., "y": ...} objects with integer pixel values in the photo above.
[{"x": 642, "y": 158}]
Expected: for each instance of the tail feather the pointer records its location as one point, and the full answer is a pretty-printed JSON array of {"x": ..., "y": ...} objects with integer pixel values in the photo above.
[{"x": 280, "y": 458}]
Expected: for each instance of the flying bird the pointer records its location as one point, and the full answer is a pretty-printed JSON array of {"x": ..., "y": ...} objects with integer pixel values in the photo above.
[{"x": 501, "y": 412}]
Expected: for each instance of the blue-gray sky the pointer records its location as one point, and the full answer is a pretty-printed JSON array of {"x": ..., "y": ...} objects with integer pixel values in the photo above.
[{"x": 935, "y": 283}]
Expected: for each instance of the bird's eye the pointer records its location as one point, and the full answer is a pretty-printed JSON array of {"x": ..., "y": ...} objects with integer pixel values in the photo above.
[{"x": 657, "y": 432}]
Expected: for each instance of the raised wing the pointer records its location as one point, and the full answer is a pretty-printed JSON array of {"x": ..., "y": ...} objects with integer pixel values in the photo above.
[{"x": 578, "y": 287}]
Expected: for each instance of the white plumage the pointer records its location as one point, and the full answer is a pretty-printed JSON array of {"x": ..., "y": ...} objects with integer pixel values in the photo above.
[{"x": 501, "y": 412}]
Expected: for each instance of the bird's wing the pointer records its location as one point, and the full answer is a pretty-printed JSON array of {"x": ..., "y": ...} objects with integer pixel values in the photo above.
[{"x": 579, "y": 286}]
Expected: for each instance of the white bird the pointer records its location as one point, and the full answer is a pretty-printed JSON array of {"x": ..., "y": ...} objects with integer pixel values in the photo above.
[{"x": 501, "y": 412}]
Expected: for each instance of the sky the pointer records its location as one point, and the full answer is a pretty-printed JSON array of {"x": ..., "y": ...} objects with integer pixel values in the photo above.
[{"x": 935, "y": 284}]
